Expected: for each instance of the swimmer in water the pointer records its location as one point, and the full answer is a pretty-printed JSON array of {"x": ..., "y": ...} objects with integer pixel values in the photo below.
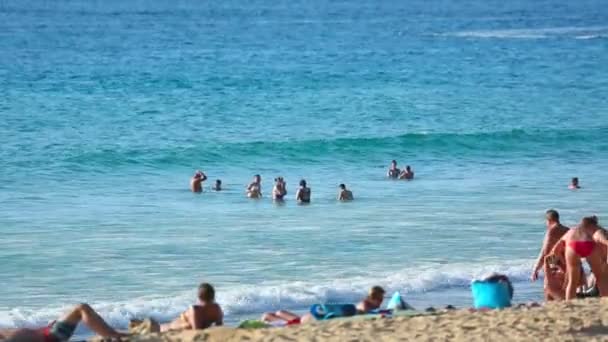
[
  {"x": 279, "y": 190},
  {"x": 407, "y": 173},
  {"x": 196, "y": 183},
  {"x": 344, "y": 194},
  {"x": 303, "y": 194},
  {"x": 254, "y": 190},
  {"x": 218, "y": 185},
  {"x": 574, "y": 184},
  {"x": 393, "y": 171}
]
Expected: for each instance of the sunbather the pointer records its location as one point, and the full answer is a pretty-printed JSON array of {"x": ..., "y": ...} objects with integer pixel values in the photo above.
[{"x": 63, "y": 329}]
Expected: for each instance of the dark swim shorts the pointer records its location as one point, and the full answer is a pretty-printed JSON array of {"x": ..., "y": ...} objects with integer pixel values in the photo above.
[{"x": 61, "y": 331}]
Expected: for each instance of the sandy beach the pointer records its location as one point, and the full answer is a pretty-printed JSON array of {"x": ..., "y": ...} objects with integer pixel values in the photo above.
[{"x": 564, "y": 321}]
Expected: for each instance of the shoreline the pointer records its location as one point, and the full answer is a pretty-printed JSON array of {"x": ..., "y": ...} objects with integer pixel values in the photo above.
[{"x": 577, "y": 320}]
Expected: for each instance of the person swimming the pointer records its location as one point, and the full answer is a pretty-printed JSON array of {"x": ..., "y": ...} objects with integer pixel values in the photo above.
[
  {"x": 303, "y": 194},
  {"x": 254, "y": 189},
  {"x": 196, "y": 183},
  {"x": 218, "y": 185},
  {"x": 344, "y": 194},
  {"x": 407, "y": 173},
  {"x": 279, "y": 190},
  {"x": 574, "y": 184},
  {"x": 393, "y": 171}
]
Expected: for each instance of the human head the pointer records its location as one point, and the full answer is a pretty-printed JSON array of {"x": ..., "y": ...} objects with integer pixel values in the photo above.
[
  {"x": 394, "y": 163},
  {"x": 206, "y": 293},
  {"x": 198, "y": 174},
  {"x": 589, "y": 221},
  {"x": 408, "y": 168},
  {"x": 218, "y": 182},
  {"x": 575, "y": 181},
  {"x": 552, "y": 216},
  {"x": 342, "y": 186},
  {"x": 303, "y": 183},
  {"x": 257, "y": 178},
  {"x": 501, "y": 278},
  {"x": 376, "y": 295}
]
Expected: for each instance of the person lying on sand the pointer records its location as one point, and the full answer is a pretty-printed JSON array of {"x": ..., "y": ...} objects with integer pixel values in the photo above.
[
  {"x": 372, "y": 302},
  {"x": 393, "y": 171},
  {"x": 63, "y": 329},
  {"x": 555, "y": 231},
  {"x": 583, "y": 242},
  {"x": 201, "y": 316}
]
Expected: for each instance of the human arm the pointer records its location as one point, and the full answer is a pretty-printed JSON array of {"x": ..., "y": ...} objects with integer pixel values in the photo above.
[
  {"x": 541, "y": 256},
  {"x": 299, "y": 195}
]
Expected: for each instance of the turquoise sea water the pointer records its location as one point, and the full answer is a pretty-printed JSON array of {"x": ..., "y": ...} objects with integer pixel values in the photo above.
[{"x": 107, "y": 108}]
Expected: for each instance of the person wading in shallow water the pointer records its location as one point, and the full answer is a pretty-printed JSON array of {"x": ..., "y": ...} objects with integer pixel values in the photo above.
[
  {"x": 303, "y": 194},
  {"x": 196, "y": 183}
]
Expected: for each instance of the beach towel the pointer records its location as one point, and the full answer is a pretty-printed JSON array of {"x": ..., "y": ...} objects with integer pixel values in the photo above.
[
  {"x": 329, "y": 311},
  {"x": 397, "y": 303}
]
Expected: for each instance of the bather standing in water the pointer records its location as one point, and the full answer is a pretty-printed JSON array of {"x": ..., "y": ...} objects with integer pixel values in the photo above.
[
  {"x": 393, "y": 171},
  {"x": 303, "y": 194},
  {"x": 196, "y": 183},
  {"x": 279, "y": 190},
  {"x": 218, "y": 185},
  {"x": 407, "y": 174},
  {"x": 254, "y": 189}
]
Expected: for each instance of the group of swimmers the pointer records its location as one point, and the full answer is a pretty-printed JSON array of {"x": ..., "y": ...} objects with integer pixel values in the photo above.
[
  {"x": 279, "y": 190},
  {"x": 562, "y": 254}
]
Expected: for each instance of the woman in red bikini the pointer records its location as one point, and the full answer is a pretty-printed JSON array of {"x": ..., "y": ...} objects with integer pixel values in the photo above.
[{"x": 583, "y": 242}]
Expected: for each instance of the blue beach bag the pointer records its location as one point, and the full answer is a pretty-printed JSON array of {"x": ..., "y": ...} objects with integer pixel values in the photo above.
[{"x": 490, "y": 295}]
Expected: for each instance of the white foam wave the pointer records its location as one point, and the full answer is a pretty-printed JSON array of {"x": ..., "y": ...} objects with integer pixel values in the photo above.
[
  {"x": 539, "y": 33},
  {"x": 243, "y": 300}
]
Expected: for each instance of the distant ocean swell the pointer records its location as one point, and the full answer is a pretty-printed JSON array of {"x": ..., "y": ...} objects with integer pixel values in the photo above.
[
  {"x": 517, "y": 143},
  {"x": 252, "y": 300}
]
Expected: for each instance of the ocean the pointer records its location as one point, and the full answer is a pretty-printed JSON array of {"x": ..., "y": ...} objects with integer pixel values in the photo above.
[{"x": 108, "y": 107}]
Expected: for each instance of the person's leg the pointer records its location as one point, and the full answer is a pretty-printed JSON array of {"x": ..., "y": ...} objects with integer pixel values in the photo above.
[
  {"x": 286, "y": 315},
  {"x": 573, "y": 273},
  {"x": 554, "y": 286},
  {"x": 596, "y": 262},
  {"x": 270, "y": 317},
  {"x": 88, "y": 316}
]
